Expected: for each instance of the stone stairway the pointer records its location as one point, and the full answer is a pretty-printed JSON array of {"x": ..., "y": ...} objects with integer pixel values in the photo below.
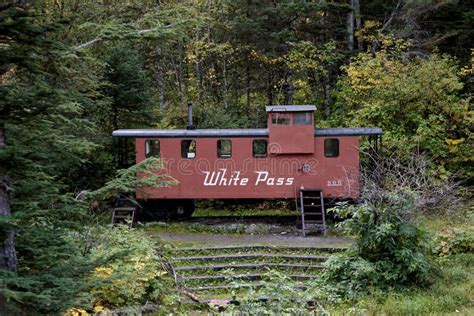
[{"x": 210, "y": 272}]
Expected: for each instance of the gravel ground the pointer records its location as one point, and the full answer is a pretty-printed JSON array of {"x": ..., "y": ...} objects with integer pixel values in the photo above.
[{"x": 222, "y": 239}]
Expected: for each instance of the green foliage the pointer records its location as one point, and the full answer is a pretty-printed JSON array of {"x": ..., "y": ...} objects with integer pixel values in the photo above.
[
  {"x": 53, "y": 269},
  {"x": 280, "y": 295},
  {"x": 144, "y": 175},
  {"x": 127, "y": 86},
  {"x": 451, "y": 289},
  {"x": 390, "y": 250},
  {"x": 417, "y": 102},
  {"x": 217, "y": 117},
  {"x": 41, "y": 111},
  {"x": 93, "y": 267},
  {"x": 310, "y": 63},
  {"x": 132, "y": 275},
  {"x": 457, "y": 240}
]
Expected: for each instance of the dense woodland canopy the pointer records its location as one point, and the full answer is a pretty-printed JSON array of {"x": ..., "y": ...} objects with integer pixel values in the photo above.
[{"x": 71, "y": 71}]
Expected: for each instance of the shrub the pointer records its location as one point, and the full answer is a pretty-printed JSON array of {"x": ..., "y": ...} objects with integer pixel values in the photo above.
[
  {"x": 389, "y": 250},
  {"x": 280, "y": 295},
  {"x": 452, "y": 241},
  {"x": 132, "y": 275},
  {"x": 417, "y": 102}
]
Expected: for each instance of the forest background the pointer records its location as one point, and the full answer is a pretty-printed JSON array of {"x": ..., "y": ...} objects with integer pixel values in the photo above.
[{"x": 73, "y": 71}]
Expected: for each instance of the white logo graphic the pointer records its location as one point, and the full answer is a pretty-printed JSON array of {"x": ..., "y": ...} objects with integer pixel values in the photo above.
[{"x": 220, "y": 178}]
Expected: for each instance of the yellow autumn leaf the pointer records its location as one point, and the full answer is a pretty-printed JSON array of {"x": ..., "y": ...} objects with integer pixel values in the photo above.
[
  {"x": 99, "y": 308},
  {"x": 76, "y": 312},
  {"x": 453, "y": 144},
  {"x": 103, "y": 271}
]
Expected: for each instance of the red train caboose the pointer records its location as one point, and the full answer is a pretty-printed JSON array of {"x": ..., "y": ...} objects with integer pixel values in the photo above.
[{"x": 278, "y": 162}]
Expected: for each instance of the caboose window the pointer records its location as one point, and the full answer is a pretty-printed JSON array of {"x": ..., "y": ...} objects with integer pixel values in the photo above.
[
  {"x": 281, "y": 119},
  {"x": 224, "y": 148},
  {"x": 331, "y": 147},
  {"x": 188, "y": 148},
  {"x": 259, "y": 148},
  {"x": 302, "y": 118},
  {"x": 152, "y": 148}
]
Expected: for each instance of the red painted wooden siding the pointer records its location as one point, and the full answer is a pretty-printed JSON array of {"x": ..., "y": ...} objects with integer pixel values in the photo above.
[
  {"x": 290, "y": 139},
  {"x": 338, "y": 176}
]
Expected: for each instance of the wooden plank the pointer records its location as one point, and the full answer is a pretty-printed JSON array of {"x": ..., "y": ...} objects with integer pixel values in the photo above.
[
  {"x": 303, "y": 226},
  {"x": 125, "y": 208},
  {"x": 324, "y": 214},
  {"x": 310, "y": 190}
]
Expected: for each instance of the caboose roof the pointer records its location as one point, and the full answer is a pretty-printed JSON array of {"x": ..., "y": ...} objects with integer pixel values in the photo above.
[
  {"x": 252, "y": 132},
  {"x": 191, "y": 133},
  {"x": 291, "y": 108}
]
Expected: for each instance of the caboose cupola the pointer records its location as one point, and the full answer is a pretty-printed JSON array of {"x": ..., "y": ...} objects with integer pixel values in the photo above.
[{"x": 291, "y": 129}]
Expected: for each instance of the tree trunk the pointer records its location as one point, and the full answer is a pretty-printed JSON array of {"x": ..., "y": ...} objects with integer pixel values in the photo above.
[
  {"x": 247, "y": 85},
  {"x": 224, "y": 75},
  {"x": 179, "y": 73},
  {"x": 115, "y": 116},
  {"x": 161, "y": 88},
  {"x": 8, "y": 259},
  {"x": 350, "y": 27},
  {"x": 326, "y": 84},
  {"x": 198, "y": 70},
  {"x": 269, "y": 89},
  {"x": 358, "y": 22},
  {"x": 159, "y": 78},
  {"x": 236, "y": 86},
  {"x": 290, "y": 88}
]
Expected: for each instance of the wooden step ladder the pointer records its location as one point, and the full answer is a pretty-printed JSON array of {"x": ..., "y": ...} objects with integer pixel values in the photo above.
[
  {"x": 313, "y": 216},
  {"x": 124, "y": 211}
]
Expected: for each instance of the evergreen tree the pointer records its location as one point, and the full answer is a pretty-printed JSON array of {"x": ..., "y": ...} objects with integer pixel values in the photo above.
[{"x": 40, "y": 104}]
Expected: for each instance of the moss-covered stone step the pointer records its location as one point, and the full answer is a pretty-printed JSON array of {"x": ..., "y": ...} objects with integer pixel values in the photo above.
[
  {"x": 232, "y": 286},
  {"x": 327, "y": 248},
  {"x": 255, "y": 248},
  {"x": 250, "y": 266},
  {"x": 250, "y": 276},
  {"x": 251, "y": 255}
]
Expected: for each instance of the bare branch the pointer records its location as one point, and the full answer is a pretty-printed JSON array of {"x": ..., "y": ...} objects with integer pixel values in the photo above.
[
  {"x": 99, "y": 39},
  {"x": 13, "y": 3},
  {"x": 89, "y": 43},
  {"x": 399, "y": 173},
  {"x": 436, "y": 40},
  {"x": 392, "y": 16}
]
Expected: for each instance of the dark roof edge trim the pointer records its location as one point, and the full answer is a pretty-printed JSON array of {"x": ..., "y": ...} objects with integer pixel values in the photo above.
[
  {"x": 361, "y": 131},
  {"x": 291, "y": 108},
  {"x": 191, "y": 133},
  {"x": 210, "y": 133}
]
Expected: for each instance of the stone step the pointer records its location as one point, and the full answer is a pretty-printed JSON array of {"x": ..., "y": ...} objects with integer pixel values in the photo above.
[
  {"x": 252, "y": 276},
  {"x": 215, "y": 248},
  {"x": 251, "y": 255},
  {"x": 249, "y": 266}
]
